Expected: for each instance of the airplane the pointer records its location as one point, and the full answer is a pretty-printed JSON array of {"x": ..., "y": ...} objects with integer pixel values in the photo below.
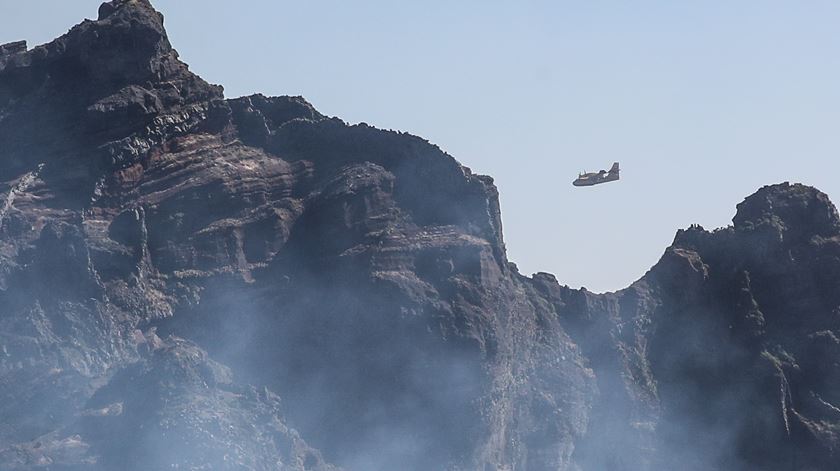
[{"x": 594, "y": 178}]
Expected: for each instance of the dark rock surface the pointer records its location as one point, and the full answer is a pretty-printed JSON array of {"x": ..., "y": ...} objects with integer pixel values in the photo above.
[{"x": 190, "y": 282}]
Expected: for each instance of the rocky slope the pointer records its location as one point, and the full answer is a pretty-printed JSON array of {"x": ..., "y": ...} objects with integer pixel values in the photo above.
[{"x": 191, "y": 282}]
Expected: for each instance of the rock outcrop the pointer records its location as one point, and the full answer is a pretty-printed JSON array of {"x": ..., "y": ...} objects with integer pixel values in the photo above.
[
  {"x": 724, "y": 355},
  {"x": 193, "y": 282}
]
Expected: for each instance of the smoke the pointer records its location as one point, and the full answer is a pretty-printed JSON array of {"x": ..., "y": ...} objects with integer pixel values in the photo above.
[
  {"x": 326, "y": 293},
  {"x": 371, "y": 386}
]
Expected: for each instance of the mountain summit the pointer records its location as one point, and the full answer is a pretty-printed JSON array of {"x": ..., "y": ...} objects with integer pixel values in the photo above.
[{"x": 194, "y": 282}]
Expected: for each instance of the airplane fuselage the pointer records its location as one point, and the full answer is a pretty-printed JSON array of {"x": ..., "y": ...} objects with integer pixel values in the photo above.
[
  {"x": 590, "y": 179},
  {"x": 595, "y": 178}
]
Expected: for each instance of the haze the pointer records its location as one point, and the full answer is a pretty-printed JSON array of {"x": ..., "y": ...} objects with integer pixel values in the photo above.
[{"x": 702, "y": 103}]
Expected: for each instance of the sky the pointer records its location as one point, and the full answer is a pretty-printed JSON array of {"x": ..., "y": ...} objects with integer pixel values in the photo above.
[{"x": 702, "y": 103}]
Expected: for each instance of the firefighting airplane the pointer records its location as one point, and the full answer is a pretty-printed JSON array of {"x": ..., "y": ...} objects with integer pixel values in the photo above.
[{"x": 595, "y": 178}]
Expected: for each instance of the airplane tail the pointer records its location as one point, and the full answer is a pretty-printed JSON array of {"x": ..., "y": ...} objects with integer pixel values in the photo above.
[{"x": 614, "y": 168}]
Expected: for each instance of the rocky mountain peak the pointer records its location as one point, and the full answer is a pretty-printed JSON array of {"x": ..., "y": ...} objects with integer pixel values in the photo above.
[
  {"x": 127, "y": 45},
  {"x": 135, "y": 6},
  {"x": 103, "y": 79},
  {"x": 794, "y": 210}
]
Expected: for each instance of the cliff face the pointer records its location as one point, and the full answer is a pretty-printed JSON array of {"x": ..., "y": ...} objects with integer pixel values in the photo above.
[
  {"x": 194, "y": 282},
  {"x": 724, "y": 355}
]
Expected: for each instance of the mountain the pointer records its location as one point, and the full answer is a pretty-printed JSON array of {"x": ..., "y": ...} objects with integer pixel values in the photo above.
[{"x": 194, "y": 282}]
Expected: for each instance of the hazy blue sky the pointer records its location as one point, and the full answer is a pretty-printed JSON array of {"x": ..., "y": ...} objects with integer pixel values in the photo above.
[{"x": 702, "y": 102}]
